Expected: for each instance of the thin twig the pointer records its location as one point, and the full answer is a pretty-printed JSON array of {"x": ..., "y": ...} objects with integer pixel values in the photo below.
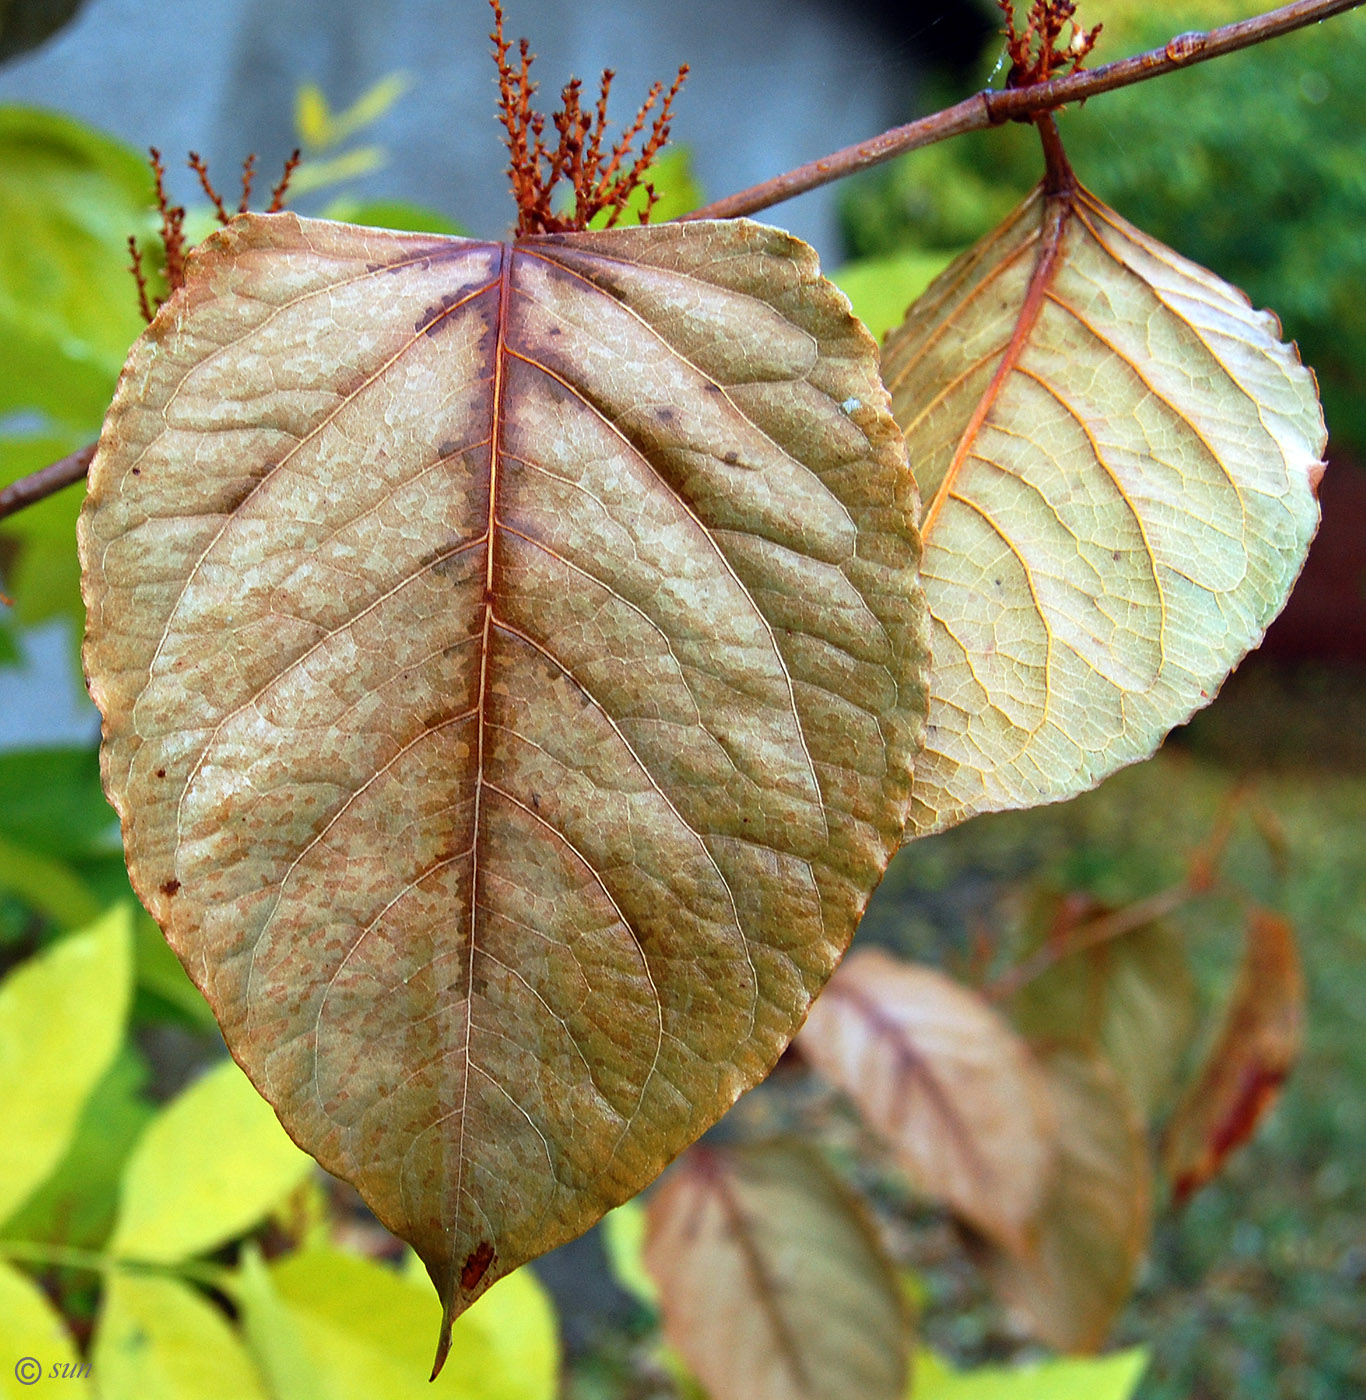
[
  {"x": 991, "y": 108},
  {"x": 1090, "y": 935},
  {"x": 29, "y": 490},
  {"x": 983, "y": 109}
]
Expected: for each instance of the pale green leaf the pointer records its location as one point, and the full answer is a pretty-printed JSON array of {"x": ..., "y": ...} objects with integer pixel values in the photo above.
[
  {"x": 1072, "y": 1378},
  {"x": 209, "y": 1167},
  {"x": 62, "y": 1017},
  {"x": 335, "y": 170},
  {"x": 367, "y": 1332},
  {"x": 368, "y": 108},
  {"x": 159, "y": 1339},
  {"x": 34, "y": 1342},
  {"x": 1118, "y": 460}
]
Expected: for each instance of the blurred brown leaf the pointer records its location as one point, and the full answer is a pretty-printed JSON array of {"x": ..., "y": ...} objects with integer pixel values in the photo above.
[
  {"x": 1255, "y": 1050},
  {"x": 945, "y": 1079},
  {"x": 1130, "y": 997},
  {"x": 772, "y": 1283},
  {"x": 1093, "y": 1228}
]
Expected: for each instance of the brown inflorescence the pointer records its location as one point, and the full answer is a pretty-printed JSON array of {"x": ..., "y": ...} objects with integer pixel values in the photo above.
[
  {"x": 600, "y": 179},
  {"x": 172, "y": 230},
  {"x": 1035, "y": 53}
]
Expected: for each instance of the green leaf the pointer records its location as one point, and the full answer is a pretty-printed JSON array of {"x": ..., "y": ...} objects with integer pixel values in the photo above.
[
  {"x": 274, "y": 1335},
  {"x": 51, "y": 801},
  {"x": 675, "y": 184},
  {"x": 367, "y": 1332},
  {"x": 41, "y": 572},
  {"x": 159, "y": 972},
  {"x": 62, "y": 1017},
  {"x": 69, "y": 198},
  {"x": 32, "y": 1331},
  {"x": 881, "y": 289},
  {"x": 160, "y": 1339},
  {"x": 623, "y": 1239},
  {"x": 390, "y": 213},
  {"x": 50, "y": 886},
  {"x": 1131, "y": 997},
  {"x": 76, "y": 1204},
  {"x": 210, "y": 1166},
  {"x": 1101, "y": 1378}
]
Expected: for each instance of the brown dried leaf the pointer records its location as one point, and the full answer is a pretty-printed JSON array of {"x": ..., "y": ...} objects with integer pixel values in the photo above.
[
  {"x": 1256, "y": 1049},
  {"x": 511, "y": 663},
  {"x": 772, "y": 1283},
  {"x": 1119, "y": 460},
  {"x": 1092, "y": 1231},
  {"x": 945, "y": 1079}
]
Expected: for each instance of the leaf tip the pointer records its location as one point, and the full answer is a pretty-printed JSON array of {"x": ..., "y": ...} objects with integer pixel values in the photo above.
[{"x": 443, "y": 1344}]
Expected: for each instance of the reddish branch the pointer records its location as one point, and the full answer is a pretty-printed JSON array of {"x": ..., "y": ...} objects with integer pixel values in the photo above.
[
  {"x": 530, "y": 157},
  {"x": 600, "y": 180},
  {"x": 31, "y": 489},
  {"x": 991, "y": 108}
]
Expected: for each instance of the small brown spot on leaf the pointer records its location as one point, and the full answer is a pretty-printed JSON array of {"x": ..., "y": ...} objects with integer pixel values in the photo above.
[
  {"x": 170, "y": 887},
  {"x": 731, "y": 458}
]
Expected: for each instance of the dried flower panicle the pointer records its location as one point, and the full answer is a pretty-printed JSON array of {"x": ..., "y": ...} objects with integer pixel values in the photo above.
[
  {"x": 172, "y": 231},
  {"x": 600, "y": 179},
  {"x": 1035, "y": 52}
]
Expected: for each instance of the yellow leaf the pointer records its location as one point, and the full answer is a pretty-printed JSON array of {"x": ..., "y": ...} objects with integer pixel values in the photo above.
[
  {"x": 34, "y": 1343},
  {"x": 210, "y": 1166},
  {"x": 312, "y": 117},
  {"x": 62, "y": 1018},
  {"x": 160, "y": 1339}
]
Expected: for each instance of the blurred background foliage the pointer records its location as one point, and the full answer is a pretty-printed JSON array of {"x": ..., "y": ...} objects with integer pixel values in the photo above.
[{"x": 215, "y": 1262}]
